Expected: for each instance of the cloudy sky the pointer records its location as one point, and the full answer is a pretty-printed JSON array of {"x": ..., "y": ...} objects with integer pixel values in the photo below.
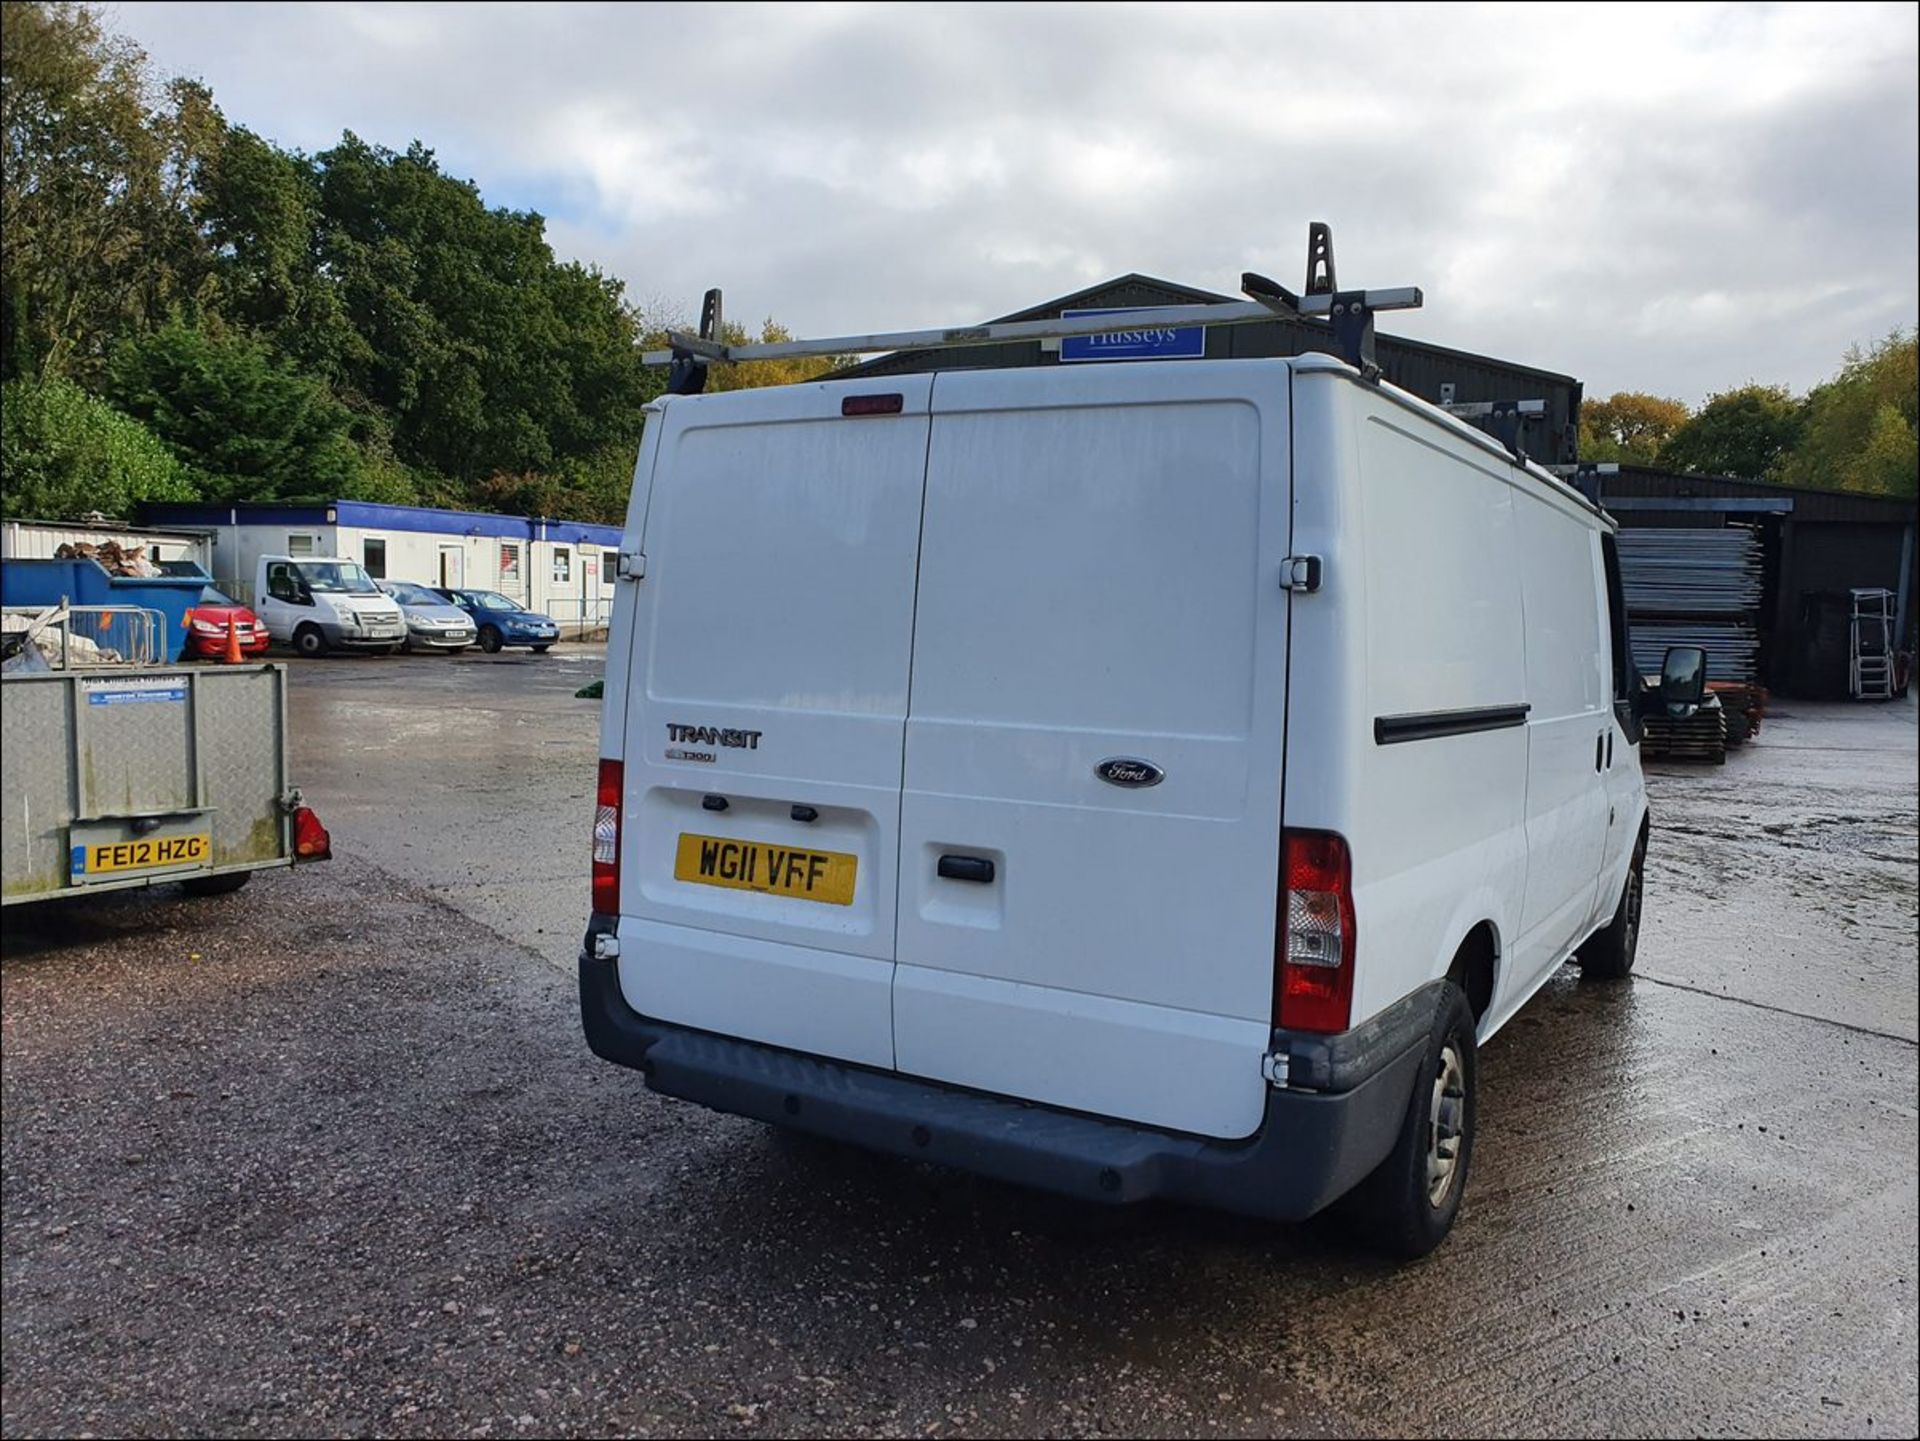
[{"x": 1675, "y": 198}]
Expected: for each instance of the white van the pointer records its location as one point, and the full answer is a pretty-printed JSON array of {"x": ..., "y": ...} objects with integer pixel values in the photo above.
[
  {"x": 318, "y": 603},
  {"x": 1146, "y": 780}
]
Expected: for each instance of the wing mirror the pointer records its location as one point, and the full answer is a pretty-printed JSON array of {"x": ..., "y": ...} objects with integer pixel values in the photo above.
[{"x": 1683, "y": 680}]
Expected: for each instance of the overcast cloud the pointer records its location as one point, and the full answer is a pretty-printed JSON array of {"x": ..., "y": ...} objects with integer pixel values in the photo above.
[{"x": 1670, "y": 198}]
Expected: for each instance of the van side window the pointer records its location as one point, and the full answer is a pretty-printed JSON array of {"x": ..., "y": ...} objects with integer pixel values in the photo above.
[
  {"x": 1617, "y": 621},
  {"x": 280, "y": 582}
]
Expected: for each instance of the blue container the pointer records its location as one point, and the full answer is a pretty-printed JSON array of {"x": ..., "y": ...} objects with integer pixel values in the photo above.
[{"x": 87, "y": 582}]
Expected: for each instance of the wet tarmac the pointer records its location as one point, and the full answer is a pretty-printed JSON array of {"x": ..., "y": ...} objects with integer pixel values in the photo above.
[{"x": 330, "y": 1155}]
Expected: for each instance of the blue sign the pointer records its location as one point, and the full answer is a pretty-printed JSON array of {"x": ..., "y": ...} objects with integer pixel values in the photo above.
[
  {"x": 1161, "y": 342},
  {"x": 134, "y": 693}
]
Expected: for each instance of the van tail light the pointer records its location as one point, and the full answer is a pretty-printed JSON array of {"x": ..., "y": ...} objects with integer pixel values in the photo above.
[
  {"x": 606, "y": 839},
  {"x": 1314, "y": 934},
  {"x": 310, "y": 839}
]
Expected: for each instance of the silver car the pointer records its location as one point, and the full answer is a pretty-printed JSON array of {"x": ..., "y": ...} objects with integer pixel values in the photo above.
[{"x": 432, "y": 624}]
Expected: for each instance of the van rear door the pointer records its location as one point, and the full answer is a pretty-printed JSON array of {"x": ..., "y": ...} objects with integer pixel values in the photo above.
[
  {"x": 767, "y": 701},
  {"x": 1099, "y": 582}
]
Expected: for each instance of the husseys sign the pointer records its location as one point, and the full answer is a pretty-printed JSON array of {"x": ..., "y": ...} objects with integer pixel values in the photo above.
[{"x": 1166, "y": 342}]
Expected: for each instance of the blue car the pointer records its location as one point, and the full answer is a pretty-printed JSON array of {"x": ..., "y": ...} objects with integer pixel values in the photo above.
[{"x": 500, "y": 620}]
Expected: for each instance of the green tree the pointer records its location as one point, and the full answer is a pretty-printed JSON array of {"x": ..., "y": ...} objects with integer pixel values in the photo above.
[
  {"x": 353, "y": 323},
  {"x": 488, "y": 355},
  {"x": 1629, "y": 426},
  {"x": 259, "y": 208},
  {"x": 1746, "y": 432},
  {"x": 252, "y": 426},
  {"x": 1861, "y": 432},
  {"x": 96, "y": 238},
  {"x": 64, "y": 453}
]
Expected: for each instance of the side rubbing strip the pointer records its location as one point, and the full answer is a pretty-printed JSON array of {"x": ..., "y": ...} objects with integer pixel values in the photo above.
[{"x": 1391, "y": 730}]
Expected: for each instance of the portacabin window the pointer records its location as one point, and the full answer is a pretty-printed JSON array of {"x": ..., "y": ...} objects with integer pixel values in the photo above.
[
  {"x": 376, "y": 558},
  {"x": 562, "y": 565},
  {"x": 609, "y": 569},
  {"x": 303, "y": 545}
]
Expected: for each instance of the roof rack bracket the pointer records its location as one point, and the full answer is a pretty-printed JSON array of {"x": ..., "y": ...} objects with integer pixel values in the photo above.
[
  {"x": 687, "y": 375},
  {"x": 1320, "y": 279},
  {"x": 1352, "y": 317},
  {"x": 1504, "y": 420}
]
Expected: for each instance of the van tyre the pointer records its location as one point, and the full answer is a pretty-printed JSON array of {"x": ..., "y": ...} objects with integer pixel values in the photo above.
[
  {"x": 1607, "y": 954},
  {"x": 1407, "y": 1205},
  {"x": 310, "y": 641},
  {"x": 223, "y": 885},
  {"x": 489, "y": 639}
]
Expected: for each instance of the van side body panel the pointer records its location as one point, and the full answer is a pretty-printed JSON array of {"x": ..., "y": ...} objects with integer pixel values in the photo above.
[
  {"x": 1425, "y": 624},
  {"x": 1441, "y": 557},
  {"x": 614, "y": 695}
]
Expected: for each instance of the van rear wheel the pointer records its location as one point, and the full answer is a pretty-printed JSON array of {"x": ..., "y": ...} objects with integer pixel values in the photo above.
[
  {"x": 1407, "y": 1205},
  {"x": 1607, "y": 954},
  {"x": 310, "y": 641}
]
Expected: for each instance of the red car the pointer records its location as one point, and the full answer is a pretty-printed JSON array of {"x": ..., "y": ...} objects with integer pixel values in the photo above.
[{"x": 207, "y": 627}]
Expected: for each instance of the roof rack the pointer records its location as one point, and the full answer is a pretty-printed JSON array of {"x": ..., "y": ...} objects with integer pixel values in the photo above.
[
  {"x": 1504, "y": 418},
  {"x": 1349, "y": 311}
]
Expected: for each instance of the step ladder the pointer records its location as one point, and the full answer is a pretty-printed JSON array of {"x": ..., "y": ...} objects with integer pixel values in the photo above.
[
  {"x": 1349, "y": 314},
  {"x": 1870, "y": 670}
]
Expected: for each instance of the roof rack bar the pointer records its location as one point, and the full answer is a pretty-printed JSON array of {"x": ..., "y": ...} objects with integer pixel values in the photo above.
[
  {"x": 1476, "y": 409},
  {"x": 1231, "y": 312}
]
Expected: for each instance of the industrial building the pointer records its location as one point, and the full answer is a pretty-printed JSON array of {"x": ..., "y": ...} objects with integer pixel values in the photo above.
[
  {"x": 1816, "y": 548},
  {"x": 1432, "y": 372},
  {"x": 564, "y": 568}
]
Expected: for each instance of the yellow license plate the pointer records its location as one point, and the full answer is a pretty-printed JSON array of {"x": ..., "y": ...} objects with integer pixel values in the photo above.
[
  {"x": 773, "y": 870},
  {"x": 142, "y": 854}
]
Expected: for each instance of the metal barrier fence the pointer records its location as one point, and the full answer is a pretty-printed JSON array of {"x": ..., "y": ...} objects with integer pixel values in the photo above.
[
  {"x": 79, "y": 636},
  {"x": 582, "y": 617}
]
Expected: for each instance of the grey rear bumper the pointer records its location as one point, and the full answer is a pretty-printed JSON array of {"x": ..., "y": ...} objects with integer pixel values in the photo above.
[{"x": 1312, "y": 1146}]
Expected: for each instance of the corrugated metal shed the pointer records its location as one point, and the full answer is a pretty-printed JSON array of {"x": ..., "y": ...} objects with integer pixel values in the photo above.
[
  {"x": 1424, "y": 370},
  {"x": 1818, "y": 545},
  {"x": 1816, "y": 506}
]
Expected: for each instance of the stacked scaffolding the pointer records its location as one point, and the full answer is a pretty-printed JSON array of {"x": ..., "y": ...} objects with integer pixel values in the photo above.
[{"x": 1699, "y": 587}]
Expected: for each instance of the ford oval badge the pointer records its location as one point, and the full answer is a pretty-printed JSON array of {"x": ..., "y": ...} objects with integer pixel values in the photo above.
[{"x": 1126, "y": 771}]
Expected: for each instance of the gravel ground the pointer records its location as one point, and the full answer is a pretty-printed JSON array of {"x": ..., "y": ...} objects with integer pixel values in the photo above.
[
  {"x": 330, "y": 1156},
  {"x": 276, "y": 1164}
]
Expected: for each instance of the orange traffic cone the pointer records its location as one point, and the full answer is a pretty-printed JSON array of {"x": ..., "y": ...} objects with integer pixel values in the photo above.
[{"x": 233, "y": 656}]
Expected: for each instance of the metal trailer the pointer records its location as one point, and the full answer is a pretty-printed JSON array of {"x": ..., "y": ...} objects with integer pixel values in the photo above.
[{"x": 116, "y": 775}]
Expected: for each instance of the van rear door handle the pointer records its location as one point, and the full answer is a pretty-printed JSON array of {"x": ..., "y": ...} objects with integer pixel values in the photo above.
[{"x": 966, "y": 868}]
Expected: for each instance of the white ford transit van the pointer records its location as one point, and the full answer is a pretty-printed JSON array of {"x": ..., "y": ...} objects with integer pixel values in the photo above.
[
  {"x": 1145, "y": 780},
  {"x": 321, "y": 603}
]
